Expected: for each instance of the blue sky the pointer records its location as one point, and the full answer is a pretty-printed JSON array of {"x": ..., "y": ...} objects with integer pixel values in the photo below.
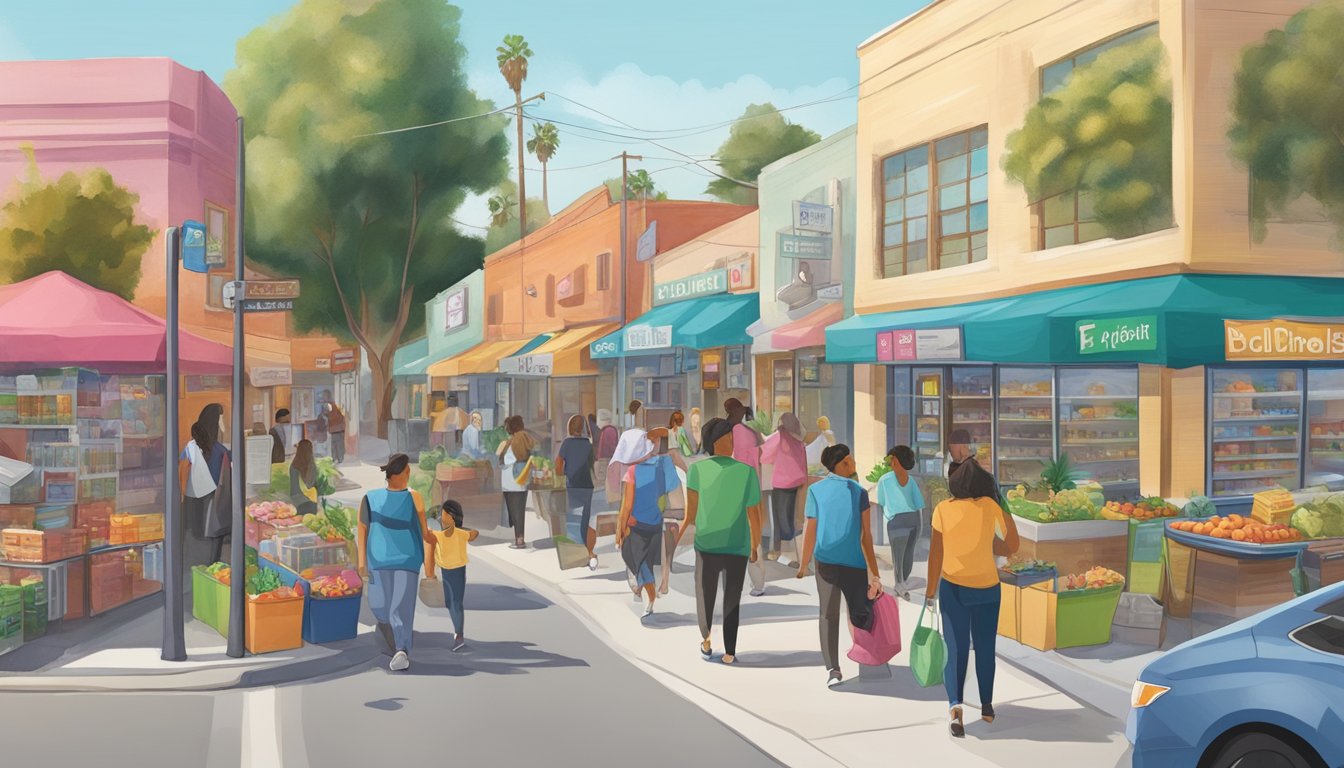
[{"x": 692, "y": 63}]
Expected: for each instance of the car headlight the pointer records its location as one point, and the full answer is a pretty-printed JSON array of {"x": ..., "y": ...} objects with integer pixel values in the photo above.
[{"x": 1145, "y": 694}]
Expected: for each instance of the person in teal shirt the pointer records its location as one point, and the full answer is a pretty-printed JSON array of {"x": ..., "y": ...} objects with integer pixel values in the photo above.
[
  {"x": 902, "y": 505},
  {"x": 840, "y": 537},
  {"x": 723, "y": 502},
  {"x": 392, "y": 538}
]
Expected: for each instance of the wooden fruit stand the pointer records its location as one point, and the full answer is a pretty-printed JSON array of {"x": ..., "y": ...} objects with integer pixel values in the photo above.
[
  {"x": 1076, "y": 546},
  {"x": 1218, "y": 581}
]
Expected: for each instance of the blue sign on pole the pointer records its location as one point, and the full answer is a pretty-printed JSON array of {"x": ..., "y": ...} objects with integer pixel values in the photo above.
[{"x": 193, "y": 246}]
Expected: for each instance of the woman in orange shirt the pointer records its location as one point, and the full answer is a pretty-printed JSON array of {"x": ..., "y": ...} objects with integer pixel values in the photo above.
[{"x": 969, "y": 530}]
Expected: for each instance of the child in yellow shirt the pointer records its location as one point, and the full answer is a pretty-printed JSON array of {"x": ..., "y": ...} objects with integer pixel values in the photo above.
[{"x": 450, "y": 555}]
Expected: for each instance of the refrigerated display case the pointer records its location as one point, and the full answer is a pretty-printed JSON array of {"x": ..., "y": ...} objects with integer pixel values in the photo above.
[
  {"x": 1026, "y": 423},
  {"x": 1099, "y": 424},
  {"x": 971, "y": 403},
  {"x": 1325, "y": 428},
  {"x": 927, "y": 399},
  {"x": 1255, "y": 425}
]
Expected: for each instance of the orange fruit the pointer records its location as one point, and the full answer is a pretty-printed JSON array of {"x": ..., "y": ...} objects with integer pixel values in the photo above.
[
  {"x": 1238, "y": 535},
  {"x": 1220, "y": 533}
]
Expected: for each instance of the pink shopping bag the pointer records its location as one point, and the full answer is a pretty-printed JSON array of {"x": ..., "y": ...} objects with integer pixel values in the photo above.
[{"x": 878, "y": 645}]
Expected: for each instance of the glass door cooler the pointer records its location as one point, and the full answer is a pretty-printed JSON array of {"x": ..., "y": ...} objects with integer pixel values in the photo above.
[
  {"x": 1255, "y": 425},
  {"x": 1026, "y": 421},
  {"x": 1099, "y": 424},
  {"x": 928, "y": 415}
]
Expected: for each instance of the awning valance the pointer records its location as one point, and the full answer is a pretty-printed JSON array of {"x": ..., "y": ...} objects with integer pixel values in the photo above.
[
  {"x": 701, "y": 323},
  {"x": 480, "y": 359},
  {"x": 565, "y": 353},
  {"x": 411, "y": 359}
]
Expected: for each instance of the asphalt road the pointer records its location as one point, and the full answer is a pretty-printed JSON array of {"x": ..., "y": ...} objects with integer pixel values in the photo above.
[{"x": 533, "y": 687}]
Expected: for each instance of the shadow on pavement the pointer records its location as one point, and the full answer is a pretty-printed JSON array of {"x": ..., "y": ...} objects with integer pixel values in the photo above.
[
  {"x": 1022, "y": 723},
  {"x": 779, "y": 659},
  {"x": 751, "y": 614},
  {"x": 385, "y": 705},
  {"x": 901, "y": 686},
  {"x": 495, "y": 597},
  {"x": 433, "y": 656}
]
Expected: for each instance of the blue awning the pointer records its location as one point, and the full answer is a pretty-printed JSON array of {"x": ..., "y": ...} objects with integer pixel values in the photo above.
[
  {"x": 411, "y": 359},
  {"x": 701, "y": 323}
]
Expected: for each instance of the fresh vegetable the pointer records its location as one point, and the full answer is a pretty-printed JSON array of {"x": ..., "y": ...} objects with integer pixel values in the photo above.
[
  {"x": 762, "y": 423},
  {"x": 1060, "y": 475},
  {"x": 1072, "y": 504},
  {"x": 1030, "y": 510},
  {"x": 327, "y": 475},
  {"x": 1308, "y": 522},
  {"x": 215, "y": 568},
  {"x": 334, "y": 586},
  {"x": 1028, "y": 566},
  {"x": 421, "y": 481},
  {"x": 430, "y": 459},
  {"x": 263, "y": 581},
  {"x": 879, "y": 469},
  {"x": 1095, "y": 578},
  {"x": 490, "y": 439},
  {"x": 1147, "y": 509},
  {"x": 1200, "y": 506}
]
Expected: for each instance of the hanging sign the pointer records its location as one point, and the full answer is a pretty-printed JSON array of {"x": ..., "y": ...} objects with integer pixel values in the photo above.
[
  {"x": 741, "y": 276},
  {"x": 1283, "y": 340},
  {"x": 455, "y": 309},
  {"x": 270, "y": 377},
  {"x": 647, "y": 247},
  {"x": 1117, "y": 334},
  {"x": 813, "y": 217},
  {"x": 638, "y": 337},
  {"x": 343, "y": 360},
  {"x": 804, "y": 247}
]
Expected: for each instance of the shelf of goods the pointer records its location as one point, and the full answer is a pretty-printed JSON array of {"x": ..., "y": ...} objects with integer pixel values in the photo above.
[
  {"x": 1255, "y": 431},
  {"x": 1099, "y": 423},
  {"x": 928, "y": 416},
  {"x": 119, "y": 575},
  {"x": 972, "y": 407},
  {"x": 1026, "y": 423}
]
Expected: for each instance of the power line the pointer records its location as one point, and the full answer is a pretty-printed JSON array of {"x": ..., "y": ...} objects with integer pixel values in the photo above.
[
  {"x": 841, "y": 96},
  {"x": 433, "y": 125}
]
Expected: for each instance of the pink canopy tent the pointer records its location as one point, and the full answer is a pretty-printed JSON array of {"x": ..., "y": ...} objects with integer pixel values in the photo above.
[{"x": 55, "y": 320}]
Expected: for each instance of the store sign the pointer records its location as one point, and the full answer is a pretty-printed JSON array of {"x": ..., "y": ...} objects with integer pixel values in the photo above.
[
  {"x": 647, "y": 247},
  {"x": 455, "y": 309},
  {"x": 803, "y": 247},
  {"x": 638, "y": 337},
  {"x": 343, "y": 360},
  {"x": 705, "y": 284},
  {"x": 1283, "y": 340},
  {"x": 604, "y": 348},
  {"x": 813, "y": 217},
  {"x": 270, "y": 377},
  {"x": 528, "y": 365},
  {"x": 322, "y": 363},
  {"x": 1117, "y": 334},
  {"x": 926, "y": 344},
  {"x": 711, "y": 369},
  {"x": 741, "y": 276},
  {"x": 564, "y": 289}
]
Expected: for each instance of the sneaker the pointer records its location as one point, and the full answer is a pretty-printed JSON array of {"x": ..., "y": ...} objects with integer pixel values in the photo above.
[
  {"x": 648, "y": 610},
  {"x": 459, "y": 643},
  {"x": 592, "y": 563},
  {"x": 384, "y": 632},
  {"x": 773, "y": 556},
  {"x": 757, "y": 592},
  {"x": 834, "y": 678},
  {"x": 400, "y": 663},
  {"x": 956, "y": 727}
]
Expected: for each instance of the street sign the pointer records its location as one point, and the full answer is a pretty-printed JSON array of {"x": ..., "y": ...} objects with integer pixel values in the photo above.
[
  {"x": 647, "y": 247},
  {"x": 271, "y": 289},
  {"x": 193, "y": 246},
  {"x": 268, "y": 305},
  {"x": 804, "y": 247},
  {"x": 343, "y": 360},
  {"x": 813, "y": 217}
]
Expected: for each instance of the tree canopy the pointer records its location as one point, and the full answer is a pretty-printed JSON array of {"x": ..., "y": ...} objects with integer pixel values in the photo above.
[
  {"x": 81, "y": 224},
  {"x": 1288, "y": 113},
  {"x": 504, "y": 224},
  {"x": 640, "y": 187},
  {"x": 364, "y": 220},
  {"x": 1107, "y": 132},
  {"x": 760, "y": 137}
]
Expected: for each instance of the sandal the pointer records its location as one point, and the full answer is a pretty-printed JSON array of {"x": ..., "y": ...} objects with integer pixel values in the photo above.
[
  {"x": 956, "y": 726},
  {"x": 987, "y": 713},
  {"x": 706, "y": 650},
  {"x": 729, "y": 659}
]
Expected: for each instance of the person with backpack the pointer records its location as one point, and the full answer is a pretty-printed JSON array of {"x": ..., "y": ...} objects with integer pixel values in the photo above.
[{"x": 639, "y": 526}]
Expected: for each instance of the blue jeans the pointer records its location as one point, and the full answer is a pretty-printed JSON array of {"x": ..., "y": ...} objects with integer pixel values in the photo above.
[
  {"x": 580, "y": 507},
  {"x": 392, "y": 597},
  {"x": 454, "y": 589},
  {"x": 970, "y": 618}
]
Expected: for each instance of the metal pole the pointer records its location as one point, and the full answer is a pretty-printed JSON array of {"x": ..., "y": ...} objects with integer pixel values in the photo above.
[
  {"x": 174, "y": 642},
  {"x": 237, "y": 558},
  {"x": 620, "y": 404}
]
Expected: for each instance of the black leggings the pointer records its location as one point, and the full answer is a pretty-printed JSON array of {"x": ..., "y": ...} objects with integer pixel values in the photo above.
[
  {"x": 708, "y": 566},
  {"x": 783, "y": 508},
  {"x": 833, "y": 581},
  {"x": 516, "y": 503}
]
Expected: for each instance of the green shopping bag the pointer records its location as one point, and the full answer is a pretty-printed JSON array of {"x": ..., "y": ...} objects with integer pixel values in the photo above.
[{"x": 928, "y": 653}]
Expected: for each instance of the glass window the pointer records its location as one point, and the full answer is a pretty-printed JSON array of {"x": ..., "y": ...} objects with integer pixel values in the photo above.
[
  {"x": 1326, "y": 635},
  {"x": 604, "y": 272},
  {"x": 1099, "y": 422},
  {"x": 898, "y": 406},
  {"x": 1255, "y": 429},
  {"x": 1026, "y": 423},
  {"x": 1325, "y": 427},
  {"x": 961, "y": 182}
]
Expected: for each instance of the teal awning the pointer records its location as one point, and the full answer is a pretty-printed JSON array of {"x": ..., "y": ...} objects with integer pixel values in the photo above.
[
  {"x": 411, "y": 359},
  {"x": 1185, "y": 314},
  {"x": 701, "y": 323}
]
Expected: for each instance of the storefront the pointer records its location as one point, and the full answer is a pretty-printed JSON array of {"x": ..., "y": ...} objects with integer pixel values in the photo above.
[
  {"x": 1171, "y": 386},
  {"x": 553, "y": 378}
]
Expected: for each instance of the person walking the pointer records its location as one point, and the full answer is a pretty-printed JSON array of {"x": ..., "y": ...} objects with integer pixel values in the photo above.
[
  {"x": 393, "y": 541},
  {"x": 723, "y": 503},
  {"x": 200, "y": 469},
  {"x": 902, "y": 506},
  {"x": 840, "y": 537},
  {"x": 303, "y": 478},
  {"x": 786, "y": 454},
  {"x": 649, "y": 478},
  {"x": 450, "y": 555},
  {"x": 747, "y": 449},
  {"x": 969, "y": 531},
  {"x": 336, "y": 429},
  {"x": 278, "y": 447},
  {"x": 516, "y": 468},
  {"x": 575, "y": 461}
]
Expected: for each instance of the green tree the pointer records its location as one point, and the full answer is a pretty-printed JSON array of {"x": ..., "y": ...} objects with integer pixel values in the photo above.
[
  {"x": 80, "y": 224},
  {"x": 641, "y": 185},
  {"x": 365, "y": 221},
  {"x": 758, "y": 138},
  {"x": 504, "y": 212},
  {"x": 512, "y": 58},
  {"x": 1107, "y": 133},
  {"x": 1288, "y": 116},
  {"x": 544, "y": 142},
  {"x": 652, "y": 193}
]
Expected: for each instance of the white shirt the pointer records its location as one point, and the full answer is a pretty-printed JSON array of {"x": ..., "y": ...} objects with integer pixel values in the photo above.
[{"x": 509, "y": 473}]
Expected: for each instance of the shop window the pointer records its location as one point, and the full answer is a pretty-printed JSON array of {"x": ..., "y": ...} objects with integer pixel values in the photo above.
[
  {"x": 604, "y": 272},
  {"x": 1099, "y": 423},
  {"x": 1068, "y": 218},
  {"x": 1325, "y": 425},
  {"x": 1255, "y": 420},
  {"x": 493, "y": 310},
  {"x": 955, "y": 171}
]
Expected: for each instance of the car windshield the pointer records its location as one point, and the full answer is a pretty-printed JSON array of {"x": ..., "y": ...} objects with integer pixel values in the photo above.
[{"x": 1325, "y": 635}]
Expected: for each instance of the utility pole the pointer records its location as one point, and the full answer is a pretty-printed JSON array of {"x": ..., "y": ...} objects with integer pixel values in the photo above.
[
  {"x": 237, "y": 558},
  {"x": 625, "y": 173},
  {"x": 174, "y": 641},
  {"x": 522, "y": 175}
]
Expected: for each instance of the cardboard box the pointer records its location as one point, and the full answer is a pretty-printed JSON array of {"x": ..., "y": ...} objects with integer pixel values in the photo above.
[
  {"x": 18, "y": 516},
  {"x": 1010, "y": 608},
  {"x": 1037, "y": 616}
]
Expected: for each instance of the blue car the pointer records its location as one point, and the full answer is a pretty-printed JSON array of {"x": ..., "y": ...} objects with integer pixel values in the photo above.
[{"x": 1265, "y": 692}]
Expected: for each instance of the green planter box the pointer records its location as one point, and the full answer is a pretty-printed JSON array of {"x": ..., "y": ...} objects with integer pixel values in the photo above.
[
  {"x": 1084, "y": 617},
  {"x": 209, "y": 600}
]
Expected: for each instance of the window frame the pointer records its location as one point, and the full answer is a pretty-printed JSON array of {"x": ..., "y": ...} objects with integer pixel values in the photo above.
[
  {"x": 934, "y": 237},
  {"x": 603, "y": 270}
]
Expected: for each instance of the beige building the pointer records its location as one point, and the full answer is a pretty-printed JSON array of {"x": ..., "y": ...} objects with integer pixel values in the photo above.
[{"x": 940, "y": 223}]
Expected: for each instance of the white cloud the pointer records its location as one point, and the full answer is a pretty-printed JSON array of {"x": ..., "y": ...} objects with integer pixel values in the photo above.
[
  {"x": 11, "y": 48},
  {"x": 652, "y": 103}
]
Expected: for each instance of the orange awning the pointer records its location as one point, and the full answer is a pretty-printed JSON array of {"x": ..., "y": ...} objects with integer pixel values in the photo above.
[
  {"x": 482, "y": 358},
  {"x": 569, "y": 352}
]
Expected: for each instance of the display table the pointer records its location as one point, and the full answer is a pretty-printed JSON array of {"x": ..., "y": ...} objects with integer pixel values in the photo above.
[
  {"x": 1218, "y": 581},
  {"x": 1075, "y": 547}
]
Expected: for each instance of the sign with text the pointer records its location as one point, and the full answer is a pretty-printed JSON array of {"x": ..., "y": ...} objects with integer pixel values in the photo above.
[
  {"x": 904, "y": 345},
  {"x": 268, "y": 305},
  {"x": 813, "y": 217},
  {"x": 639, "y": 337},
  {"x": 258, "y": 449},
  {"x": 322, "y": 363},
  {"x": 647, "y": 247},
  {"x": 711, "y": 369},
  {"x": 803, "y": 247},
  {"x": 528, "y": 365},
  {"x": 741, "y": 276},
  {"x": 343, "y": 360},
  {"x": 704, "y": 284},
  {"x": 271, "y": 289},
  {"x": 1283, "y": 340},
  {"x": 455, "y": 309},
  {"x": 564, "y": 289},
  {"x": 1117, "y": 334},
  {"x": 270, "y": 377},
  {"x": 193, "y": 246}
]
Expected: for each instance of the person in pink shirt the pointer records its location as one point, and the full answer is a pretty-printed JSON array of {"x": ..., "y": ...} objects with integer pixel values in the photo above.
[
  {"x": 785, "y": 452},
  {"x": 747, "y": 449}
]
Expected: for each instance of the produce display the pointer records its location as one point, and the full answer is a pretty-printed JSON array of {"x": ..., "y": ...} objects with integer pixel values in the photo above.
[
  {"x": 220, "y": 572},
  {"x": 264, "y": 585},
  {"x": 1028, "y": 566},
  {"x": 491, "y": 438},
  {"x": 1200, "y": 506},
  {"x": 1239, "y": 528},
  {"x": 1147, "y": 509},
  {"x": 1095, "y": 578},
  {"x": 1321, "y": 519},
  {"x": 1065, "y": 506},
  {"x": 268, "y": 511},
  {"x": 879, "y": 469},
  {"x": 327, "y": 474},
  {"x": 333, "y": 523},
  {"x": 346, "y": 584},
  {"x": 421, "y": 482}
]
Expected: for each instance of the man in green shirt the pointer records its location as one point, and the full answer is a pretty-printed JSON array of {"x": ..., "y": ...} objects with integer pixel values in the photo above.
[{"x": 723, "y": 502}]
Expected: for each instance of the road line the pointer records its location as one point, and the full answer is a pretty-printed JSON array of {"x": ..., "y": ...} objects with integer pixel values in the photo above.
[{"x": 261, "y": 738}]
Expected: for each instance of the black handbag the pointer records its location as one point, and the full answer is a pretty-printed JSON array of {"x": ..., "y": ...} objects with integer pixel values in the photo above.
[{"x": 219, "y": 512}]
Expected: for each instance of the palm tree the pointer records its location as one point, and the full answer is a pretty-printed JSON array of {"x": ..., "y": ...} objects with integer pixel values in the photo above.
[
  {"x": 641, "y": 184},
  {"x": 501, "y": 210},
  {"x": 512, "y": 57},
  {"x": 544, "y": 142}
]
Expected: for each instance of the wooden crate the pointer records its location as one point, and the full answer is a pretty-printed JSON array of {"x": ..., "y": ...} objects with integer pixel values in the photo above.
[
  {"x": 1079, "y": 555},
  {"x": 1230, "y": 588}
]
